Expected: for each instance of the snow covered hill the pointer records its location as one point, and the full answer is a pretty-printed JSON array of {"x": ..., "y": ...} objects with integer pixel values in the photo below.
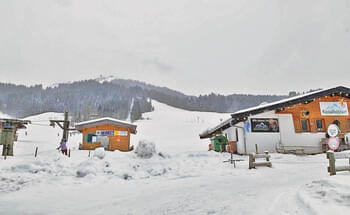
[
  {"x": 2, "y": 115},
  {"x": 183, "y": 179}
]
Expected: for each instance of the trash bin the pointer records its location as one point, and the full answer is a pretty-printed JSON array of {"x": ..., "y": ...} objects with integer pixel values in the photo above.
[{"x": 219, "y": 143}]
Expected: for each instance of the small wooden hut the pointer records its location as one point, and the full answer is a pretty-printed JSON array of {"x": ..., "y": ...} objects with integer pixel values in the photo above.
[{"x": 112, "y": 134}]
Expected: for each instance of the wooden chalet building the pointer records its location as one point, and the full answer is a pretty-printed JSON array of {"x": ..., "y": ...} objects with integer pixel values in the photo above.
[
  {"x": 112, "y": 134},
  {"x": 293, "y": 125}
]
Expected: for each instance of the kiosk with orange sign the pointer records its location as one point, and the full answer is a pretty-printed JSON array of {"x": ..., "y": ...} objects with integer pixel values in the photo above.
[{"x": 112, "y": 134}]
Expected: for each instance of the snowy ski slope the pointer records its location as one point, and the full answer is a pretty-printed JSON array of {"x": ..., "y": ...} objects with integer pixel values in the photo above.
[{"x": 186, "y": 180}]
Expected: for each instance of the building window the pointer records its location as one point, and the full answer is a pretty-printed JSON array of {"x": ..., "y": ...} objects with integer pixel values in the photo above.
[
  {"x": 305, "y": 126},
  {"x": 91, "y": 138},
  {"x": 305, "y": 113},
  {"x": 320, "y": 125}
]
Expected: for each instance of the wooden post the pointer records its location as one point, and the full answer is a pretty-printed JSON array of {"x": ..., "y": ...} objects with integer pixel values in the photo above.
[
  {"x": 64, "y": 126},
  {"x": 251, "y": 161},
  {"x": 267, "y": 157},
  {"x": 4, "y": 152},
  {"x": 256, "y": 149},
  {"x": 36, "y": 151},
  {"x": 269, "y": 164},
  {"x": 331, "y": 158},
  {"x": 69, "y": 153}
]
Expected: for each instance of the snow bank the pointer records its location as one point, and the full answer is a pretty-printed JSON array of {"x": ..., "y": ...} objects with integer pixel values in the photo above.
[
  {"x": 145, "y": 149},
  {"x": 100, "y": 153},
  {"x": 327, "y": 196},
  {"x": 87, "y": 167}
]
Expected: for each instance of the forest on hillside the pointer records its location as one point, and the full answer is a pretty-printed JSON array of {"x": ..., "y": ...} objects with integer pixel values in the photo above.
[
  {"x": 84, "y": 99},
  {"x": 119, "y": 98}
]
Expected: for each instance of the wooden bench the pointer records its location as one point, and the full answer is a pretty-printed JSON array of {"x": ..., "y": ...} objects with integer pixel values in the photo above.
[{"x": 253, "y": 163}]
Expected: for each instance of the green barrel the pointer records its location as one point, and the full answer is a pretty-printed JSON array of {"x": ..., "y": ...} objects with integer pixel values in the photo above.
[{"x": 219, "y": 143}]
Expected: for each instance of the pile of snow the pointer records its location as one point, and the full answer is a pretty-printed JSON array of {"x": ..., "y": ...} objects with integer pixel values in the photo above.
[
  {"x": 100, "y": 153},
  {"x": 145, "y": 149},
  {"x": 327, "y": 196},
  {"x": 103, "y": 79},
  {"x": 87, "y": 167}
]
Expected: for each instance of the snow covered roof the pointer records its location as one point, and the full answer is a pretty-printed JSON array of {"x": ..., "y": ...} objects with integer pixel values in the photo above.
[
  {"x": 241, "y": 115},
  {"x": 19, "y": 123},
  {"x": 222, "y": 126},
  {"x": 105, "y": 120}
]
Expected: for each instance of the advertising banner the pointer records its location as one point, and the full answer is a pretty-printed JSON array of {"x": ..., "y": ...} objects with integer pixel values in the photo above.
[
  {"x": 120, "y": 133},
  {"x": 111, "y": 133},
  {"x": 264, "y": 125},
  {"x": 105, "y": 133},
  {"x": 334, "y": 109}
]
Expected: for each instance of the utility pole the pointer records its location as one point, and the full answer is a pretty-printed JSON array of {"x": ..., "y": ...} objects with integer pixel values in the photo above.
[
  {"x": 64, "y": 126},
  {"x": 8, "y": 133}
]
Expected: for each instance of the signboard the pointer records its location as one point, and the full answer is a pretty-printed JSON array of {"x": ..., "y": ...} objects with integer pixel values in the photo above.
[
  {"x": 105, "y": 133},
  {"x": 334, "y": 109},
  {"x": 333, "y": 143},
  {"x": 247, "y": 126},
  {"x": 333, "y": 130},
  {"x": 120, "y": 133},
  {"x": 264, "y": 125},
  {"x": 111, "y": 133}
]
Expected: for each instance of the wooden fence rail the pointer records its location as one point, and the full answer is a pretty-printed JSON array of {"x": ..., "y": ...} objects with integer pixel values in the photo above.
[
  {"x": 253, "y": 157},
  {"x": 332, "y": 157}
]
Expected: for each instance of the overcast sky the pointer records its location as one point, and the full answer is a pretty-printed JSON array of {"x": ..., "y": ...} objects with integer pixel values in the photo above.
[{"x": 195, "y": 46}]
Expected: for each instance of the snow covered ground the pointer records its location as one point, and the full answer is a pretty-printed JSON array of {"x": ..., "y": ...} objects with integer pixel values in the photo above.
[{"x": 184, "y": 178}]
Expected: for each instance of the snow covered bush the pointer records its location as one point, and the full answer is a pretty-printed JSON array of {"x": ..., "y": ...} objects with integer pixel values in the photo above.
[
  {"x": 100, "y": 153},
  {"x": 87, "y": 167},
  {"x": 145, "y": 149}
]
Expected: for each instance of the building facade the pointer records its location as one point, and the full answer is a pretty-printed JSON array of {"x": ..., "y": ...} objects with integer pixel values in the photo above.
[
  {"x": 297, "y": 125},
  {"x": 112, "y": 134}
]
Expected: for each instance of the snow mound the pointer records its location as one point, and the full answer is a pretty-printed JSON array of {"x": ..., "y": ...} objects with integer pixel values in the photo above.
[
  {"x": 145, "y": 149},
  {"x": 87, "y": 167},
  {"x": 327, "y": 196},
  {"x": 100, "y": 153}
]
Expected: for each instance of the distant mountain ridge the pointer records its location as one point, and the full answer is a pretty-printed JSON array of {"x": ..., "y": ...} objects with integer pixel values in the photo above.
[
  {"x": 119, "y": 98},
  {"x": 210, "y": 103}
]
